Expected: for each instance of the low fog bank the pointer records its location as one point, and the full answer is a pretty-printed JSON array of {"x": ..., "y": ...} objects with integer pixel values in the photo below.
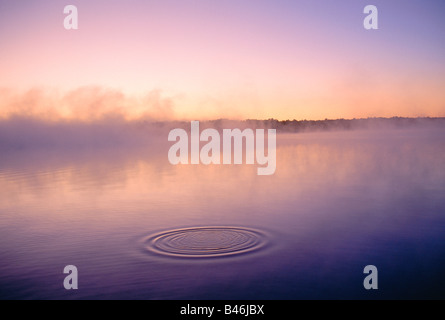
[
  {"x": 28, "y": 132},
  {"x": 355, "y": 124},
  {"x": 20, "y": 133},
  {"x": 297, "y": 126}
]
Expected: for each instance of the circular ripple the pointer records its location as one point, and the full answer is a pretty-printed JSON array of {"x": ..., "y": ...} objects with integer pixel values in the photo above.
[{"x": 206, "y": 242}]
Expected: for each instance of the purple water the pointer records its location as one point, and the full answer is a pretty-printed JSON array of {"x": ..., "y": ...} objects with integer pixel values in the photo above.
[{"x": 338, "y": 201}]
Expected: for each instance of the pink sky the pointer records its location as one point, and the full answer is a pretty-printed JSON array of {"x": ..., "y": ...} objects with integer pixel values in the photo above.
[{"x": 231, "y": 59}]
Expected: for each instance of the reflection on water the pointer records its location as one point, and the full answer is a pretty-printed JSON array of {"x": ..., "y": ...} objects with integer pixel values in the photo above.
[{"x": 337, "y": 202}]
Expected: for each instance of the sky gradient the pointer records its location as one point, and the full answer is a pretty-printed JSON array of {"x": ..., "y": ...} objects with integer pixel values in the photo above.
[{"x": 223, "y": 59}]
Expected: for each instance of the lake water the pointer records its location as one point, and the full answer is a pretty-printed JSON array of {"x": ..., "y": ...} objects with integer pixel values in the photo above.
[{"x": 137, "y": 227}]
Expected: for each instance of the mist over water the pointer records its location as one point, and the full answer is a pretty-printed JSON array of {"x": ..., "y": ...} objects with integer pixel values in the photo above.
[{"x": 92, "y": 196}]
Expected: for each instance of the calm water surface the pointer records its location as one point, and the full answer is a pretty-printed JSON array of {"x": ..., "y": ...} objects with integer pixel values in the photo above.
[{"x": 138, "y": 227}]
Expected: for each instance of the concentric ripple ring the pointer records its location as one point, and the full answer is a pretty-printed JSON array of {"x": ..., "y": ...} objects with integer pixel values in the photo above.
[{"x": 206, "y": 242}]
